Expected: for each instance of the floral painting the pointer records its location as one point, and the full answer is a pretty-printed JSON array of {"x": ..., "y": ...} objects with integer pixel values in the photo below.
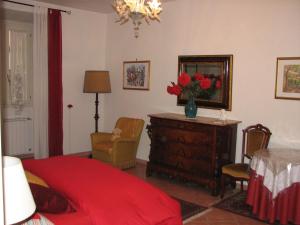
[
  {"x": 291, "y": 79},
  {"x": 205, "y": 78},
  {"x": 136, "y": 75},
  {"x": 288, "y": 78}
]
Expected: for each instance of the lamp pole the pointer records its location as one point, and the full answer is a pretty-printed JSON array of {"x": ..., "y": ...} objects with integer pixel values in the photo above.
[{"x": 96, "y": 113}]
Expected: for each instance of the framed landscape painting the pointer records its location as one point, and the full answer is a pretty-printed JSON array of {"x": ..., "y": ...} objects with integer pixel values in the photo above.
[
  {"x": 136, "y": 75},
  {"x": 217, "y": 69},
  {"x": 288, "y": 78}
]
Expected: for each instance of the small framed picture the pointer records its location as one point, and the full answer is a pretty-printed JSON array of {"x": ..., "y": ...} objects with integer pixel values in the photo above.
[
  {"x": 136, "y": 75},
  {"x": 288, "y": 78}
]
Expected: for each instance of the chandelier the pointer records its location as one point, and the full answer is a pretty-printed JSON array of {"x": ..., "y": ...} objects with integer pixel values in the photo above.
[{"x": 137, "y": 10}]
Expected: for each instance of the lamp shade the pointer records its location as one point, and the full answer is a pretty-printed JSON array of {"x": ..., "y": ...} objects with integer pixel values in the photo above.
[
  {"x": 18, "y": 200},
  {"x": 96, "y": 82}
]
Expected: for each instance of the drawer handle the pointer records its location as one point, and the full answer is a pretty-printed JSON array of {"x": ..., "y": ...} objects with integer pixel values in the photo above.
[
  {"x": 163, "y": 139},
  {"x": 181, "y": 126},
  {"x": 181, "y": 152},
  {"x": 181, "y": 139}
]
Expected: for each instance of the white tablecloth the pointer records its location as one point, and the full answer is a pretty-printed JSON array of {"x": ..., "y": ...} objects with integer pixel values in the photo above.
[{"x": 280, "y": 168}]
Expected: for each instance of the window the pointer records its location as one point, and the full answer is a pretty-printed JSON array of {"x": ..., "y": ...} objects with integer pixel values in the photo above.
[{"x": 19, "y": 64}]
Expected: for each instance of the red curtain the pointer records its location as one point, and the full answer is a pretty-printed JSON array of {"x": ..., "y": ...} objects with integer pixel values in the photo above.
[{"x": 55, "y": 102}]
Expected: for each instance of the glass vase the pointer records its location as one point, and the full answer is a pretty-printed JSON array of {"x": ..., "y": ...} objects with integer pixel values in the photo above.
[{"x": 190, "y": 108}]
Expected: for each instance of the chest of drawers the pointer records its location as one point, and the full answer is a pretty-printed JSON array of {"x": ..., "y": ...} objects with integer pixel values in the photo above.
[{"x": 192, "y": 149}]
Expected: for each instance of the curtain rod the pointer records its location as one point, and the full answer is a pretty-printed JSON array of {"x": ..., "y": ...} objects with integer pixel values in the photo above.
[{"x": 20, "y": 3}]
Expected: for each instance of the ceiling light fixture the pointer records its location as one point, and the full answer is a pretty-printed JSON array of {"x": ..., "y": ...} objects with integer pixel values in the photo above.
[{"x": 137, "y": 10}]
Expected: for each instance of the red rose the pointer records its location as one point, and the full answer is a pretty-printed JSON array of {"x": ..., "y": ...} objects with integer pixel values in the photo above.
[
  {"x": 198, "y": 76},
  {"x": 184, "y": 79},
  {"x": 205, "y": 83},
  {"x": 174, "y": 90},
  {"x": 218, "y": 84}
]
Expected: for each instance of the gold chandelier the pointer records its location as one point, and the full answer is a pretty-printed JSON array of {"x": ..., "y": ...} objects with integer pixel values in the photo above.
[{"x": 137, "y": 10}]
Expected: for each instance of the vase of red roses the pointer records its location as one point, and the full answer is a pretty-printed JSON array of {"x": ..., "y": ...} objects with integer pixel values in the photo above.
[{"x": 190, "y": 87}]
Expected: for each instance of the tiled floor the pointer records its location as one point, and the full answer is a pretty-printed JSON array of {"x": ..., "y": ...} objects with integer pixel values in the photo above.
[{"x": 194, "y": 193}]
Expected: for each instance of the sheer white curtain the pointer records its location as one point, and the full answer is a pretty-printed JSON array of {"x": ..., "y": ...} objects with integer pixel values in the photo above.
[
  {"x": 40, "y": 82},
  {"x": 17, "y": 75}
]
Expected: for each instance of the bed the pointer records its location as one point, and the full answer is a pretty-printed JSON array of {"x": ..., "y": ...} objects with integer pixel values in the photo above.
[{"x": 103, "y": 195}]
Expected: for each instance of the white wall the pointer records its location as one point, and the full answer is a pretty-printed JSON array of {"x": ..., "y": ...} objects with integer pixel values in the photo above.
[
  {"x": 84, "y": 46},
  {"x": 256, "y": 32}
]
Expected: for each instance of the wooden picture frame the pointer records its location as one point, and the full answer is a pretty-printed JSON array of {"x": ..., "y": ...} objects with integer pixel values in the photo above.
[
  {"x": 218, "y": 68},
  {"x": 136, "y": 75},
  {"x": 287, "y": 84}
]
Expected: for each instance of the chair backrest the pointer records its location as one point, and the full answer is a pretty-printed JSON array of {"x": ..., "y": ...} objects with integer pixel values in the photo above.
[
  {"x": 255, "y": 137},
  {"x": 130, "y": 127}
]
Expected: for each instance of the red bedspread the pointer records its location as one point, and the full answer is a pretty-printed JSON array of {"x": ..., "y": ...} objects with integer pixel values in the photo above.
[{"x": 107, "y": 195}]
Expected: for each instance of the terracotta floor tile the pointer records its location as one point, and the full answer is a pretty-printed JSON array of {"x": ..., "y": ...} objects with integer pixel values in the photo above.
[{"x": 196, "y": 194}]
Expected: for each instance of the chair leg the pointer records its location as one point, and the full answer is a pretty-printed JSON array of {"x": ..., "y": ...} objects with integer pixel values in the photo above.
[
  {"x": 242, "y": 186},
  {"x": 222, "y": 185},
  {"x": 233, "y": 183}
]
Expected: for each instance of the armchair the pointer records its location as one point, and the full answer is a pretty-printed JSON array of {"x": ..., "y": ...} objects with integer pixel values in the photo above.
[{"x": 118, "y": 148}]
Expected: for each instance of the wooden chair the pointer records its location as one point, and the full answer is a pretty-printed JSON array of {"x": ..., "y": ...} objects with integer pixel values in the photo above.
[
  {"x": 119, "y": 147},
  {"x": 254, "y": 138}
]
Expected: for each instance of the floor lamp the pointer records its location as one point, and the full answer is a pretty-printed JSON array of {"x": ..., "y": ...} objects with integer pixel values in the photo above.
[{"x": 96, "y": 82}]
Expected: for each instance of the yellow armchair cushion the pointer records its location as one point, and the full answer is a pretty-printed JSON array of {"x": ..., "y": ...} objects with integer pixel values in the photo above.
[
  {"x": 100, "y": 137},
  {"x": 240, "y": 170},
  {"x": 131, "y": 128},
  {"x": 104, "y": 146}
]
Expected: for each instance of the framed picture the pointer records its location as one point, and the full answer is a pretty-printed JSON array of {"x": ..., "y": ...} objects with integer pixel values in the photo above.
[
  {"x": 288, "y": 78},
  {"x": 136, "y": 75},
  {"x": 217, "y": 72}
]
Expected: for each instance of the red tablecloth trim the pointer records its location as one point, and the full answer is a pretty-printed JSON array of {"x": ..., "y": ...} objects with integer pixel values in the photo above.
[{"x": 285, "y": 207}]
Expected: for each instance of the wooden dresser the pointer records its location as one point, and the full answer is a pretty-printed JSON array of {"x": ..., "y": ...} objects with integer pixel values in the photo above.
[{"x": 192, "y": 149}]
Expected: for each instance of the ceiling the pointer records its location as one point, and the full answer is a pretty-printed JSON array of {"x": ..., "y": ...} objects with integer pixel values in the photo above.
[{"x": 102, "y": 6}]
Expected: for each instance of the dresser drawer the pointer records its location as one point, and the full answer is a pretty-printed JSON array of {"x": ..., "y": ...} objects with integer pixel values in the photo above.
[
  {"x": 173, "y": 124},
  {"x": 199, "y": 167},
  {"x": 188, "y": 151},
  {"x": 165, "y": 134}
]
